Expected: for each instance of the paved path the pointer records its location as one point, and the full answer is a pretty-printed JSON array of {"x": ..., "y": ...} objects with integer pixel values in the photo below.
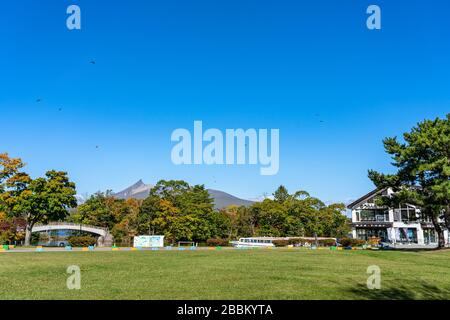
[{"x": 102, "y": 249}]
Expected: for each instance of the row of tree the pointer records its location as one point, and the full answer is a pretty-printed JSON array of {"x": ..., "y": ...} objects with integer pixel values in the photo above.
[
  {"x": 173, "y": 208},
  {"x": 184, "y": 212}
]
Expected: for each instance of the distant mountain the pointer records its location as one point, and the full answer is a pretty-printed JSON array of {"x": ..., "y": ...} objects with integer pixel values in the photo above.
[
  {"x": 80, "y": 199},
  {"x": 223, "y": 199},
  {"x": 140, "y": 190}
]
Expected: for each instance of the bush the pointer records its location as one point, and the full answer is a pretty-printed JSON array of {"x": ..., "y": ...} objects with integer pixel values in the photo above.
[
  {"x": 280, "y": 243},
  {"x": 350, "y": 242},
  {"x": 84, "y": 241},
  {"x": 327, "y": 242},
  {"x": 217, "y": 242},
  {"x": 294, "y": 241},
  {"x": 374, "y": 241}
]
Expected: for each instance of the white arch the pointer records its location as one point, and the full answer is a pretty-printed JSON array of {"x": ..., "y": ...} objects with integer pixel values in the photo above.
[{"x": 70, "y": 226}]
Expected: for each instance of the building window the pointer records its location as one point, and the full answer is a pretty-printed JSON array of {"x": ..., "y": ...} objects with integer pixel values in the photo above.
[
  {"x": 405, "y": 213},
  {"x": 406, "y": 235},
  {"x": 429, "y": 236},
  {"x": 379, "y": 215},
  {"x": 367, "y": 233}
]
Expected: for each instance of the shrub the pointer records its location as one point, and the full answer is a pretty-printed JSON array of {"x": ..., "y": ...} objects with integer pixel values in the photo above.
[
  {"x": 294, "y": 241},
  {"x": 374, "y": 241},
  {"x": 83, "y": 241},
  {"x": 217, "y": 242},
  {"x": 327, "y": 242},
  {"x": 350, "y": 242},
  {"x": 280, "y": 243}
]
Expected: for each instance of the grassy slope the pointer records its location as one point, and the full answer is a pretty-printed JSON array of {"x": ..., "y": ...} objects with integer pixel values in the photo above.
[{"x": 226, "y": 274}]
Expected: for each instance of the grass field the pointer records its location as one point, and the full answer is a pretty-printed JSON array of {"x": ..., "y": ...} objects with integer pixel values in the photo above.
[{"x": 226, "y": 274}]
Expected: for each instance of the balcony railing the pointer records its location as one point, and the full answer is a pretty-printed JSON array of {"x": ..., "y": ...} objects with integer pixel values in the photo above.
[{"x": 377, "y": 218}]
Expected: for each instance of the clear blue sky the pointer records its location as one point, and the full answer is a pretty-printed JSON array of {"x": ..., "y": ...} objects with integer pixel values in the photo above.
[{"x": 160, "y": 65}]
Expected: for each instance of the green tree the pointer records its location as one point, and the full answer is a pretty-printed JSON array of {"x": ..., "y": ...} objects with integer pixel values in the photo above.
[
  {"x": 39, "y": 200},
  {"x": 423, "y": 170},
  {"x": 13, "y": 182},
  {"x": 281, "y": 194},
  {"x": 99, "y": 210},
  {"x": 306, "y": 212},
  {"x": 246, "y": 222},
  {"x": 118, "y": 215},
  {"x": 179, "y": 211},
  {"x": 45, "y": 199},
  {"x": 296, "y": 214},
  {"x": 335, "y": 223},
  {"x": 272, "y": 218}
]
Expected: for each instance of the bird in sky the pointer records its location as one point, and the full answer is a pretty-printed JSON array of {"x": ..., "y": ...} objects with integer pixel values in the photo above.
[
  {"x": 92, "y": 62},
  {"x": 38, "y": 100}
]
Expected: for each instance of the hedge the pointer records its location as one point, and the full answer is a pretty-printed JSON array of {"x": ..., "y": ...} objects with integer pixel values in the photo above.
[
  {"x": 83, "y": 241},
  {"x": 350, "y": 242},
  {"x": 281, "y": 243},
  {"x": 320, "y": 242},
  {"x": 217, "y": 242}
]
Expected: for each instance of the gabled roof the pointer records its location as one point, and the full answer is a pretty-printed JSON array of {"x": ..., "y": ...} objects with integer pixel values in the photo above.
[{"x": 363, "y": 198}]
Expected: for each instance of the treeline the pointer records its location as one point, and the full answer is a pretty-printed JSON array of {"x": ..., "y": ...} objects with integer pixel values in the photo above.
[
  {"x": 173, "y": 208},
  {"x": 180, "y": 211}
]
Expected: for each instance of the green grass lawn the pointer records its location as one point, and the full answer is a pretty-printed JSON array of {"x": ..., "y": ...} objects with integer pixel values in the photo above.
[{"x": 226, "y": 274}]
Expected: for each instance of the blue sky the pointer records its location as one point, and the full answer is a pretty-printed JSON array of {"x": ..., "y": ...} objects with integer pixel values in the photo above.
[{"x": 160, "y": 65}]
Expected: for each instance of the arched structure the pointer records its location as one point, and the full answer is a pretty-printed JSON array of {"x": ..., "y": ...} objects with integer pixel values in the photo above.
[{"x": 105, "y": 238}]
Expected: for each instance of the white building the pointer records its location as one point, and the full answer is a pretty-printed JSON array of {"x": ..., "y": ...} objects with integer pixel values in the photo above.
[{"x": 403, "y": 225}]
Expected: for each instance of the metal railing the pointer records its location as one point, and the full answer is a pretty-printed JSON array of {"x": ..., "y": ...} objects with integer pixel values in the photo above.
[{"x": 55, "y": 223}]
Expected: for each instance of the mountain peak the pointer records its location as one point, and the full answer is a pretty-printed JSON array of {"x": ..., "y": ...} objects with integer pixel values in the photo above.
[
  {"x": 138, "y": 184},
  {"x": 140, "y": 190}
]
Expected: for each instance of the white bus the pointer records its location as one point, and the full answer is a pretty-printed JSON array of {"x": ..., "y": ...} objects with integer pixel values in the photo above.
[{"x": 254, "y": 242}]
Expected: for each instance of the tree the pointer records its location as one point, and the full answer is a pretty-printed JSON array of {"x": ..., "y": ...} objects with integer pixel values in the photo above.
[
  {"x": 247, "y": 222},
  {"x": 179, "y": 211},
  {"x": 98, "y": 210},
  {"x": 423, "y": 170},
  {"x": 39, "y": 200},
  {"x": 45, "y": 199},
  {"x": 13, "y": 182},
  {"x": 272, "y": 218},
  {"x": 295, "y": 215},
  {"x": 11, "y": 229},
  {"x": 335, "y": 223},
  {"x": 102, "y": 209},
  {"x": 281, "y": 194},
  {"x": 126, "y": 229},
  {"x": 228, "y": 218}
]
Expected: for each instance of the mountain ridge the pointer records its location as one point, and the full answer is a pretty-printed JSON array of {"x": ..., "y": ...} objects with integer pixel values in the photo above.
[{"x": 140, "y": 190}]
